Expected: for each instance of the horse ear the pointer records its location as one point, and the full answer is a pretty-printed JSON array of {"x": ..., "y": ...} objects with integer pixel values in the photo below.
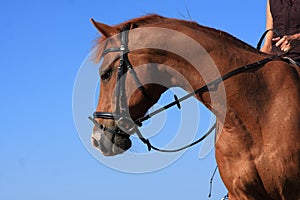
[{"x": 104, "y": 29}]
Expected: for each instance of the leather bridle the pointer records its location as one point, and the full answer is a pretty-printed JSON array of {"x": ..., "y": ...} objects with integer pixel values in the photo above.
[{"x": 121, "y": 114}]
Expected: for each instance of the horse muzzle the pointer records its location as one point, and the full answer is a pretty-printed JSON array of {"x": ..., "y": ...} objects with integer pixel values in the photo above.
[{"x": 110, "y": 144}]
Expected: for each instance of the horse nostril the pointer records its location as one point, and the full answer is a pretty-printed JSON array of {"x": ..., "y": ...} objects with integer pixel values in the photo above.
[
  {"x": 101, "y": 142},
  {"x": 95, "y": 142}
]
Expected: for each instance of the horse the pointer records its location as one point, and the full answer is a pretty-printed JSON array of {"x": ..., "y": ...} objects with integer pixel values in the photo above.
[{"x": 257, "y": 148}]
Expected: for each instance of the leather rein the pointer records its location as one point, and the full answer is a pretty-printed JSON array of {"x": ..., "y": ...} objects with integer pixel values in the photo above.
[{"x": 121, "y": 114}]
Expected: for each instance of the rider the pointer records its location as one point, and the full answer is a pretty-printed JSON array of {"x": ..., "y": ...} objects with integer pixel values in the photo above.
[{"x": 283, "y": 17}]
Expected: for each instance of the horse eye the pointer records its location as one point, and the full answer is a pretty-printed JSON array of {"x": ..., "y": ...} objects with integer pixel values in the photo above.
[{"x": 106, "y": 75}]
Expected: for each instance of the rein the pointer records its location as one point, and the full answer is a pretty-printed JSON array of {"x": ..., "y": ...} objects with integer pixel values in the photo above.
[
  {"x": 258, "y": 46},
  {"x": 121, "y": 114}
]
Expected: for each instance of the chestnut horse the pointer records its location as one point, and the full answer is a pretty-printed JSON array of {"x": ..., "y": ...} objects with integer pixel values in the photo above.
[{"x": 258, "y": 147}]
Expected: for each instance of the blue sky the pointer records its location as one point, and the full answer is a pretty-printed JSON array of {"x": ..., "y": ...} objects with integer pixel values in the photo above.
[{"x": 42, "y": 46}]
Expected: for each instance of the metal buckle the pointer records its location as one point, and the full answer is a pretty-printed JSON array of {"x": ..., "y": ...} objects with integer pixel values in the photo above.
[{"x": 126, "y": 124}]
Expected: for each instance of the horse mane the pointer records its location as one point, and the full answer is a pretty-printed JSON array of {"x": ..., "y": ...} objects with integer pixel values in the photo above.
[
  {"x": 152, "y": 19},
  {"x": 141, "y": 21}
]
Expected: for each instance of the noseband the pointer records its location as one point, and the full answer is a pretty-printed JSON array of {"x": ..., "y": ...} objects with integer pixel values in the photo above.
[{"x": 121, "y": 114}]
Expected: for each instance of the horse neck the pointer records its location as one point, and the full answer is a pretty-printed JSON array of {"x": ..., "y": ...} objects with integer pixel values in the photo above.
[
  {"x": 198, "y": 54},
  {"x": 227, "y": 52},
  {"x": 223, "y": 55},
  {"x": 217, "y": 54}
]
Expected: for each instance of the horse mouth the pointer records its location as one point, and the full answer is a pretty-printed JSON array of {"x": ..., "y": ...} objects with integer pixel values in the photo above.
[{"x": 111, "y": 144}]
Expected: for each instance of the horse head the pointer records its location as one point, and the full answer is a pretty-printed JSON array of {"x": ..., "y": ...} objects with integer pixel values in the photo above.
[
  {"x": 128, "y": 88},
  {"x": 140, "y": 60}
]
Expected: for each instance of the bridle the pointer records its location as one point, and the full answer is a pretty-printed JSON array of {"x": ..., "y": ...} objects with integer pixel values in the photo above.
[{"x": 121, "y": 114}]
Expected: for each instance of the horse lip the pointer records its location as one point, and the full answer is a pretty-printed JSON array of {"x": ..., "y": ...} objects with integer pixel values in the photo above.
[
  {"x": 108, "y": 147},
  {"x": 106, "y": 150},
  {"x": 117, "y": 150},
  {"x": 95, "y": 142}
]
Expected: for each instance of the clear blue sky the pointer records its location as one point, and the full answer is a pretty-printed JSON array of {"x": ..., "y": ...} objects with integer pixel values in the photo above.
[{"x": 42, "y": 45}]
